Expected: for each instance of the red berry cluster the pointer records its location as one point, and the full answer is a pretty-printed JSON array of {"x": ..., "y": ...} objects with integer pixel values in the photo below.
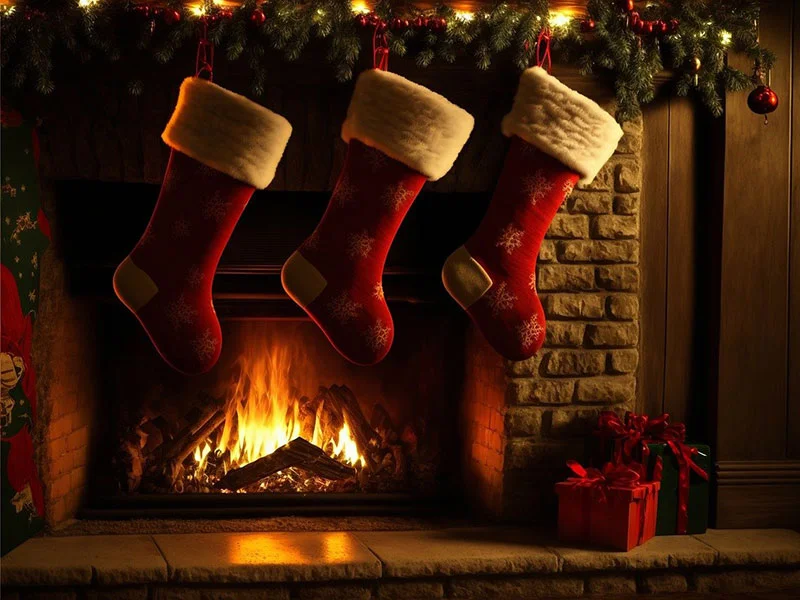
[
  {"x": 170, "y": 16},
  {"x": 436, "y": 24},
  {"x": 642, "y": 27}
]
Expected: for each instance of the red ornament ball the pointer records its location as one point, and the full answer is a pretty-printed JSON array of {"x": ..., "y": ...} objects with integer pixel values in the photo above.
[
  {"x": 257, "y": 17},
  {"x": 381, "y": 26},
  {"x": 396, "y": 24},
  {"x": 588, "y": 25},
  {"x": 420, "y": 22},
  {"x": 626, "y": 5},
  {"x": 362, "y": 20},
  {"x": 660, "y": 27},
  {"x": 638, "y": 27},
  {"x": 171, "y": 16},
  {"x": 633, "y": 19},
  {"x": 762, "y": 100},
  {"x": 437, "y": 24},
  {"x": 673, "y": 25},
  {"x": 648, "y": 27}
]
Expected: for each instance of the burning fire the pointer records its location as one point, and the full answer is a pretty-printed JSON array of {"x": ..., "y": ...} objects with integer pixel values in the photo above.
[{"x": 263, "y": 413}]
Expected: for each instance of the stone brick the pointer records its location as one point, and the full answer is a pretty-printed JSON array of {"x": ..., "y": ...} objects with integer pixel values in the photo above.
[
  {"x": 220, "y": 593},
  {"x": 60, "y": 487},
  {"x": 631, "y": 142},
  {"x": 566, "y": 226},
  {"x": 623, "y": 278},
  {"x": 615, "y": 227},
  {"x": 627, "y": 177},
  {"x": 590, "y": 203},
  {"x": 517, "y": 587},
  {"x": 540, "y": 391},
  {"x": 746, "y": 581},
  {"x": 57, "y": 448},
  {"x": 564, "y": 362},
  {"x": 523, "y": 420},
  {"x": 529, "y": 366},
  {"x": 565, "y": 278},
  {"x": 78, "y": 439},
  {"x": 529, "y": 453},
  {"x": 134, "y": 592},
  {"x": 664, "y": 583},
  {"x": 334, "y": 592},
  {"x": 623, "y": 361},
  {"x": 611, "y": 584},
  {"x": 612, "y": 335},
  {"x": 60, "y": 427},
  {"x": 560, "y": 333},
  {"x": 592, "y": 251},
  {"x": 627, "y": 204},
  {"x": 623, "y": 307},
  {"x": 547, "y": 252},
  {"x": 566, "y": 423},
  {"x": 606, "y": 390},
  {"x": 47, "y": 594},
  {"x": 410, "y": 590},
  {"x": 573, "y": 306},
  {"x": 603, "y": 181},
  {"x": 60, "y": 465}
]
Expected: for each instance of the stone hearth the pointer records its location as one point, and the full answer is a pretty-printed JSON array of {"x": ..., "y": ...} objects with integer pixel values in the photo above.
[{"x": 433, "y": 564}]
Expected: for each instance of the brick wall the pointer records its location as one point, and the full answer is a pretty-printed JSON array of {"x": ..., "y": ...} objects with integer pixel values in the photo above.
[
  {"x": 524, "y": 419},
  {"x": 66, "y": 385}
]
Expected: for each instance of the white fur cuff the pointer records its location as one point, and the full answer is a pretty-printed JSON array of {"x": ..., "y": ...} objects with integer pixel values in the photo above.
[
  {"x": 227, "y": 132},
  {"x": 563, "y": 123},
  {"x": 407, "y": 122}
]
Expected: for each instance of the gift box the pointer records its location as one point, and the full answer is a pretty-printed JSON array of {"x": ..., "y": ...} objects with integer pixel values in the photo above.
[
  {"x": 683, "y": 468},
  {"x": 613, "y": 508}
]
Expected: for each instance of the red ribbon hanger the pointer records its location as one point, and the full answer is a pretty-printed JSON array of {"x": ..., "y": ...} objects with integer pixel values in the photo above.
[
  {"x": 204, "y": 62},
  {"x": 543, "y": 54},
  {"x": 380, "y": 49}
]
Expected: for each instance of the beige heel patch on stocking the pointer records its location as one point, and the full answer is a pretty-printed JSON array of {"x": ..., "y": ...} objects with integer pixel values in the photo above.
[
  {"x": 133, "y": 286},
  {"x": 465, "y": 280},
  {"x": 301, "y": 280}
]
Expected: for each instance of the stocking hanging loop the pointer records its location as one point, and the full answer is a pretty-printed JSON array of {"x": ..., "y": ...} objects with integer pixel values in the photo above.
[
  {"x": 380, "y": 48},
  {"x": 204, "y": 62},
  {"x": 543, "y": 50}
]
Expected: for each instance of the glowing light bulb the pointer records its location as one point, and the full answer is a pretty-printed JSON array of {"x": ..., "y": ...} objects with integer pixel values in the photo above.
[
  {"x": 198, "y": 10},
  {"x": 464, "y": 15},
  {"x": 359, "y": 7},
  {"x": 87, "y": 3},
  {"x": 7, "y": 9},
  {"x": 725, "y": 37},
  {"x": 559, "y": 19}
]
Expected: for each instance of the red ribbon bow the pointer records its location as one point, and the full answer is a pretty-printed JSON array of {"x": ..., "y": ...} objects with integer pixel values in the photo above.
[
  {"x": 612, "y": 475},
  {"x": 637, "y": 431}
]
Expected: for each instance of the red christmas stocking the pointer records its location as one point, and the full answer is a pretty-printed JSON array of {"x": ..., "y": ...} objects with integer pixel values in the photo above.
[
  {"x": 223, "y": 147},
  {"x": 400, "y": 134},
  {"x": 558, "y": 138}
]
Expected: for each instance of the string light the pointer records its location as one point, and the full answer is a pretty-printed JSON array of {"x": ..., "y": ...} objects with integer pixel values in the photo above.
[
  {"x": 725, "y": 37},
  {"x": 559, "y": 19},
  {"x": 464, "y": 15},
  {"x": 198, "y": 10},
  {"x": 87, "y": 3},
  {"x": 359, "y": 7},
  {"x": 7, "y": 9}
]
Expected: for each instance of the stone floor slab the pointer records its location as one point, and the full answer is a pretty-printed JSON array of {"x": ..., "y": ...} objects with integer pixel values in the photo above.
[
  {"x": 754, "y": 546},
  {"x": 264, "y": 557},
  {"x": 102, "y": 559},
  {"x": 661, "y": 552},
  {"x": 459, "y": 552}
]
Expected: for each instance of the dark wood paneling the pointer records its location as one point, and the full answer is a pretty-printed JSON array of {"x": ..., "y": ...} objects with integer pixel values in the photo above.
[
  {"x": 681, "y": 262},
  {"x": 752, "y": 395},
  {"x": 654, "y": 216},
  {"x": 793, "y": 408},
  {"x": 758, "y": 493}
]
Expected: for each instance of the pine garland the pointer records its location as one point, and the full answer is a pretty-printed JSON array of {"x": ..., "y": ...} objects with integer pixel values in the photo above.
[{"x": 35, "y": 31}]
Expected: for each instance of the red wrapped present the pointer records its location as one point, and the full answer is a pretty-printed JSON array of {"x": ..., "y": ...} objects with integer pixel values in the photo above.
[{"x": 613, "y": 508}]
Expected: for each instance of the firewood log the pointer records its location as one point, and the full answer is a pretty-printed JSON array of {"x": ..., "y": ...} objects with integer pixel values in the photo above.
[
  {"x": 362, "y": 432},
  {"x": 297, "y": 453}
]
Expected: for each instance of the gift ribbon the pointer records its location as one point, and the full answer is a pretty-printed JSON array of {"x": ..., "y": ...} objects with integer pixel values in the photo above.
[{"x": 637, "y": 431}]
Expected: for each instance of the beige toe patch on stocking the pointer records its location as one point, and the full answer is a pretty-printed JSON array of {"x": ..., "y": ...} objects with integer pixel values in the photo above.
[
  {"x": 465, "y": 280},
  {"x": 301, "y": 280}
]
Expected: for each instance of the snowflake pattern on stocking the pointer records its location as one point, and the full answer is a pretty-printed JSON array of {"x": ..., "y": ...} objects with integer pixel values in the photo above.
[
  {"x": 378, "y": 336},
  {"x": 567, "y": 188},
  {"x": 536, "y": 186},
  {"x": 215, "y": 208},
  {"x": 195, "y": 277},
  {"x": 181, "y": 229},
  {"x": 205, "y": 346},
  {"x": 501, "y": 298},
  {"x": 343, "y": 308},
  {"x": 181, "y": 313},
  {"x": 530, "y": 331},
  {"x": 359, "y": 245},
  {"x": 396, "y": 195},
  {"x": 510, "y": 238},
  {"x": 345, "y": 191},
  {"x": 377, "y": 291},
  {"x": 532, "y": 281}
]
